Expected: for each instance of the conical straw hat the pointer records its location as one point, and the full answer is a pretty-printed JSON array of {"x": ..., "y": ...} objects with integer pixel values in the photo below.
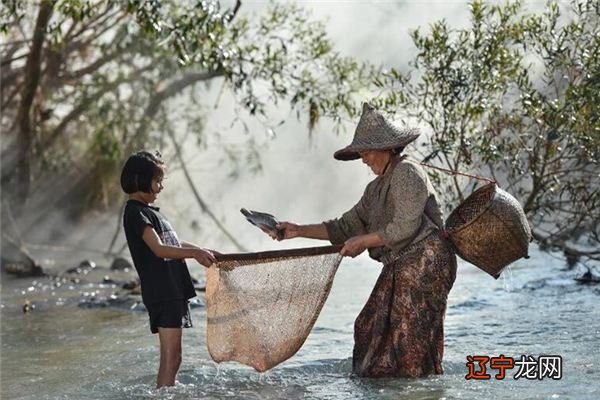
[{"x": 374, "y": 132}]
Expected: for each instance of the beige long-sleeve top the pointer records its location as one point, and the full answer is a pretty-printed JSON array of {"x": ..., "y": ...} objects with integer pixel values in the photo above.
[{"x": 400, "y": 205}]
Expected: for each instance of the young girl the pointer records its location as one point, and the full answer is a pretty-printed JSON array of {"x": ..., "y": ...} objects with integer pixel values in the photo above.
[{"x": 158, "y": 256}]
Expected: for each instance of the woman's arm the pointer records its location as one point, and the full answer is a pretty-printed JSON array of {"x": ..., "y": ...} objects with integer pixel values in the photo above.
[
  {"x": 161, "y": 250},
  {"x": 291, "y": 230},
  {"x": 352, "y": 247},
  {"x": 357, "y": 244}
]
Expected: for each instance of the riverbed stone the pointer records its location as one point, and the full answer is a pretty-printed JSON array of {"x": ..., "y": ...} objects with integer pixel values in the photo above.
[
  {"x": 84, "y": 267},
  {"x": 22, "y": 268},
  {"x": 120, "y": 264}
]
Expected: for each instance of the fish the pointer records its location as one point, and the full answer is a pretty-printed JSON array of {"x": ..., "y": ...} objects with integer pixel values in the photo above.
[{"x": 263, "y": 220}]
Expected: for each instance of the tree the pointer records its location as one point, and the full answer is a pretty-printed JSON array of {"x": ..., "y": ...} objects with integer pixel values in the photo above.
[
  {"x": 515, "y": 97},
  {"x": 85, "y": 82}
]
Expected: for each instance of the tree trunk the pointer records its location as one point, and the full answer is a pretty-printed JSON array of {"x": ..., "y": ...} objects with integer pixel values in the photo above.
[{"x": 21, "y": 178}]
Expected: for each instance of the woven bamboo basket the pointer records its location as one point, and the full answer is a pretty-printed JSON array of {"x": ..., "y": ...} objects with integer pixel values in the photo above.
[{"x": 489, "y": 229}]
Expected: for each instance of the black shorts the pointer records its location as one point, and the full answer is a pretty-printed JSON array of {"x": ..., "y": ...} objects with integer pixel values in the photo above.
[{"x": 169, "y": 314}]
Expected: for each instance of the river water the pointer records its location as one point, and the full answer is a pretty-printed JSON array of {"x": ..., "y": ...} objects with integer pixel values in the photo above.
[{"x": 61, "y": 350}]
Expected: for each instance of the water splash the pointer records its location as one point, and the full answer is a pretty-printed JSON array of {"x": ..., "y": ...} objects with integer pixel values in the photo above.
[{"x": 507, "y": 279}]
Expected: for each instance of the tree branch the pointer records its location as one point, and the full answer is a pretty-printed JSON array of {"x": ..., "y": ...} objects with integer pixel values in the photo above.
[
  {"x": 548, "y": 240},
  {"x": 199, "y": 199},
  {"x": 172, "y": 89},
  {"x": 117, "y": 229},
  {"x": 87, "y": 102},
  {"x": 7, "y": 61},
  {"x": 75, "y": 75},
  {"x": 90, "y": 23}
]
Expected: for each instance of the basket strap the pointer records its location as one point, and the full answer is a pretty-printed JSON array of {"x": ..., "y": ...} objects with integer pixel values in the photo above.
[
  {"x": 443, "y": 232},
  {"x": 451, "y": 172}
]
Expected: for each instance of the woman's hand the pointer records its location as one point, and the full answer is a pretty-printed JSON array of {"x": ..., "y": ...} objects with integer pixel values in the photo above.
[
  {"x": 204, "y": 257},
  {"x": 286, "y": 230},
  {"x": 354, "y": 246}
]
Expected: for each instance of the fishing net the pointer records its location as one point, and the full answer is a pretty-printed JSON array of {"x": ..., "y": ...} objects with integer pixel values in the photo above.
[{"x": 262, "y": 306}]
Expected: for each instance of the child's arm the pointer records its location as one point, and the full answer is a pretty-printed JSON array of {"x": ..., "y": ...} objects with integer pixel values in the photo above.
[
  {"x": 195, "y": 246},
  {"x": 161, "y": 250}
]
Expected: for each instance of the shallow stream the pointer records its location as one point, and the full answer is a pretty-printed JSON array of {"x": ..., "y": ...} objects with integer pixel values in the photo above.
[{"x": 62, "y": 349}]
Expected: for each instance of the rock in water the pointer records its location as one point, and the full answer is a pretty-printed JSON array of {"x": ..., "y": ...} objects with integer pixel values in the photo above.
[
  {"x": 83, "y": 268},
  {"x": 120, "y": 264},
  {"x": 22, "y": 268},
  {"x": 27, "y": 306},
  {"x": 588, "y": 278}
]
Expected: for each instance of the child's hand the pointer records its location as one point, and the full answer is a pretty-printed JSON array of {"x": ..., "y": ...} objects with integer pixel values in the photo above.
[{"x": 204, "y": 257}]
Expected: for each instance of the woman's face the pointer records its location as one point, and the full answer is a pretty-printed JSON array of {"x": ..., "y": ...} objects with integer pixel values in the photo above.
[{"x": 376, "y": 159}]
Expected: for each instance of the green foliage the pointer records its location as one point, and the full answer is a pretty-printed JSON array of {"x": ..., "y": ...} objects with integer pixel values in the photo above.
[
  {"x": 11, "y": 12},
  {"x": 110, "y": 70},
  {"x": 561, "y": 108},
  {"x": 515, "y": 96}
]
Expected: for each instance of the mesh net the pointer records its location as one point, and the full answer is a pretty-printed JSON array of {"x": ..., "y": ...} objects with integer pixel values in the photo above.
[{"x": 262, "y": 306}]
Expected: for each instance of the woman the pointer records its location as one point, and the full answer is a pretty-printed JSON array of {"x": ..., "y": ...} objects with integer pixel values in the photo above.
[{"x": 399, "y": 332}]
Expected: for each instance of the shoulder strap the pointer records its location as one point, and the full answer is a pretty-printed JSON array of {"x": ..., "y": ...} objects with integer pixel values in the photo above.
[{"x": 452, "y": 172}]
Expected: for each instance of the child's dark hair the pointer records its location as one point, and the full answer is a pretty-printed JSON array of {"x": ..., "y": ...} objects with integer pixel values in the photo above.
[{"x": 139, "y": 170}]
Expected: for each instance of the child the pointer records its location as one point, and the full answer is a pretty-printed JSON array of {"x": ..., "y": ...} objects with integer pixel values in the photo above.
[{"x": 158, "y": 256}]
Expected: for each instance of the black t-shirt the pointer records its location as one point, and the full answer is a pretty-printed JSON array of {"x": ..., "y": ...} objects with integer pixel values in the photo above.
[{"x": 161, "y": 279}]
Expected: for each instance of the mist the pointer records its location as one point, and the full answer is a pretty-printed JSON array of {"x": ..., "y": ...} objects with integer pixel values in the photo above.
[{"x": 299, "y": 180}]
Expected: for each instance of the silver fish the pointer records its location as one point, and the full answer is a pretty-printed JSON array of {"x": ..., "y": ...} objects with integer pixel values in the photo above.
[{"x": 262, "y": 220}]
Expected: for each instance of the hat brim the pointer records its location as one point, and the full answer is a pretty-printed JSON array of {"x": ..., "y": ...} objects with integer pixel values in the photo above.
[{"x": 350, "y": 152}]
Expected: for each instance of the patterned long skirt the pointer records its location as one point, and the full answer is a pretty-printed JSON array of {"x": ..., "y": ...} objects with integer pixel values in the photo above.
[{"x": 400, "y": 331}]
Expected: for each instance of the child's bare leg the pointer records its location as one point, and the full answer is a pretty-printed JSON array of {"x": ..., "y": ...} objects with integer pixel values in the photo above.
[{"x": 170, "y": 356}]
